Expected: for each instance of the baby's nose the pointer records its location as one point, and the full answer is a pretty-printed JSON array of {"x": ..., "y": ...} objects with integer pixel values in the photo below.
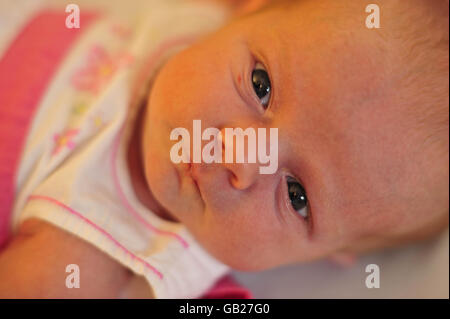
[{"x": 243, "y": 173}]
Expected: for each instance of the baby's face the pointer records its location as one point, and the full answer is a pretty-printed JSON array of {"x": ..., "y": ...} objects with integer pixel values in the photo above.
[{"x": 356, "y": 172}]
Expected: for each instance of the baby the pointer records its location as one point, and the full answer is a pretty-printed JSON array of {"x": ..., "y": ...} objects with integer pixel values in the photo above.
[
  {"x": 363, "y": 121},
  {"x": 362, "y": 118}
]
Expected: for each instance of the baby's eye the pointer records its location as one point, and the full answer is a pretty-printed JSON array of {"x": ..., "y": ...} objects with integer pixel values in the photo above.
[
  {"x": 297, "y": 196},
  {"x": 261, "y": 84}
]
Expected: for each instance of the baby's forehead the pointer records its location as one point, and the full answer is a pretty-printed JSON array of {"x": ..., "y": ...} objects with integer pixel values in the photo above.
[{"x": 304, "y": 34}]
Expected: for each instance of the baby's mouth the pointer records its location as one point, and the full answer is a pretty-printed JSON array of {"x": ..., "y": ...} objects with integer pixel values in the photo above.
[
  {"x": 192, "y": 171},
  {"x": 192, "y": 174}
]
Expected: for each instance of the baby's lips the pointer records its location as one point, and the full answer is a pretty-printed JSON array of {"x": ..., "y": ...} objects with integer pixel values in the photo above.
[{"x": 193, "y": 172}]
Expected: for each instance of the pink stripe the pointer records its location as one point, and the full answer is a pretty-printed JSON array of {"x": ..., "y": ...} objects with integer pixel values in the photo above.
[
  {"x": 104, "y": 232},
  {"x": 25, "y": 71},
  {"x": 153, "y": 59}
]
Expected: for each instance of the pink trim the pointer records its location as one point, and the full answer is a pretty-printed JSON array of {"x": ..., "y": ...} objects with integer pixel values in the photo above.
[
  {"x": 227, "y": 288},
  {"x": 26, "y": 69},
  {"x": 153, "y": 59},
  {"x": 104, "y": 232}
]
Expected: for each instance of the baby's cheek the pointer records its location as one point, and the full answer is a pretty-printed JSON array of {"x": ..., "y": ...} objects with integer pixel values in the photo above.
[{"x": 247, "y": 242}]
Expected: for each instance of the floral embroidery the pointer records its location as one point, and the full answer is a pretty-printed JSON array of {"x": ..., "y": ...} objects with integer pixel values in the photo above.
[
  {"x": 64, "y": 140},
  {"x": 98, "y": 121},
  {"x": 120, "y": 31},
  {"x": 99, "y": 69},
  {"x": 79, "y": 108}
]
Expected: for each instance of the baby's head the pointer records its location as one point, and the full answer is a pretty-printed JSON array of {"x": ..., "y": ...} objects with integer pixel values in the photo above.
[{"x": 362, "y": 118}]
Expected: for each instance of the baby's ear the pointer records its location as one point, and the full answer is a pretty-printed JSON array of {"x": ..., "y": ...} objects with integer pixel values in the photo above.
[{"x": 343, "y": 259}]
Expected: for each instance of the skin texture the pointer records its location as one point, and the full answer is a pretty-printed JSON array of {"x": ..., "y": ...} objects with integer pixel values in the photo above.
[{"x": 341, "y": 134}]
